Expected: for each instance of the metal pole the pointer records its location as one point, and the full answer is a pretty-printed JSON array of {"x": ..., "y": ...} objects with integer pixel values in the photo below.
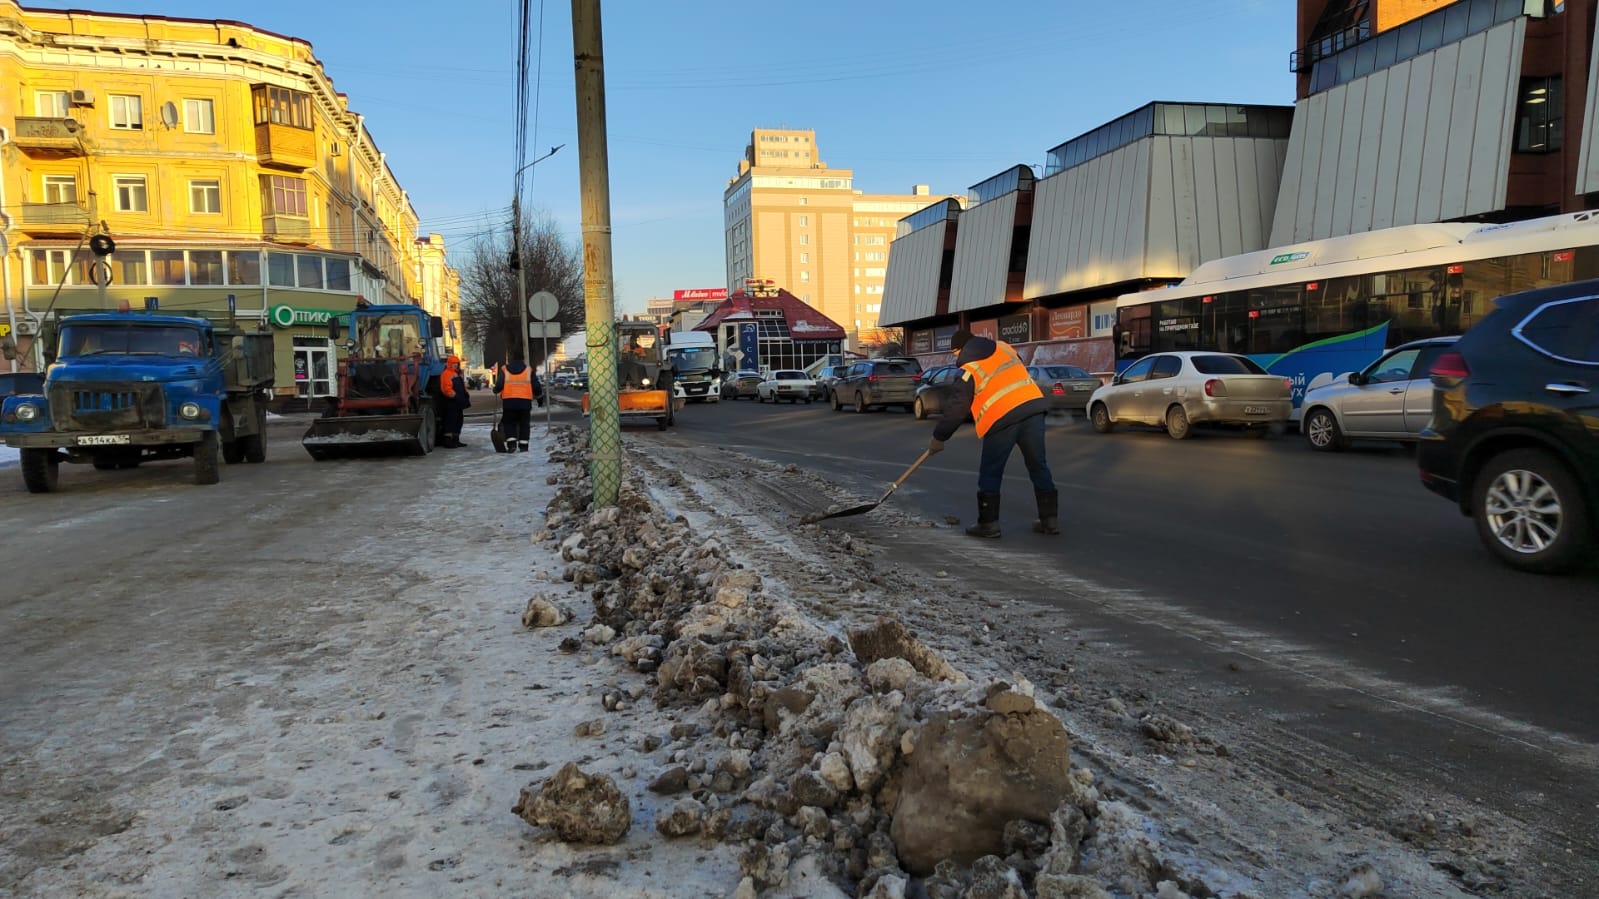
[{"x": 605, "y": 427}]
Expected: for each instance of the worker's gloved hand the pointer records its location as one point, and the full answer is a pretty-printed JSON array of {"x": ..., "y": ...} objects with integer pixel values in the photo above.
[{"x": 935, "y": 446}]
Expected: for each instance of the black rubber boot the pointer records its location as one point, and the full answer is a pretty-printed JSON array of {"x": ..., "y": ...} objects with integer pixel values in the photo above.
[
  {"x": 987, "y": 516},
  {"x": 1048, "y": 511}
]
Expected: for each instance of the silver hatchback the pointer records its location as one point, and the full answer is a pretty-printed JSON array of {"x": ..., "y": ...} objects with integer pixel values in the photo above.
[{"x": 1390, "y": 399}]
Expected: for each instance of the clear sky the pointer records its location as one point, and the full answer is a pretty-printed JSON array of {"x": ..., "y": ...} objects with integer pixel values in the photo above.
[{"x": 938, "y": 92}]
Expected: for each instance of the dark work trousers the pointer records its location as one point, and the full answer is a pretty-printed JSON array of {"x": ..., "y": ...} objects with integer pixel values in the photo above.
[
  {"x": 1026, "y": 435},
  {"x": 454, "y": 418},
  {"x": 515, "y": 422}
]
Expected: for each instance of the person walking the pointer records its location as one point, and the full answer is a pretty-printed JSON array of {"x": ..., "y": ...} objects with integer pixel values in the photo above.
[
  {"x": 1008, "y": 409},
  {"x": 518, "y": 387},
  {"x": 452, "y": 386}
]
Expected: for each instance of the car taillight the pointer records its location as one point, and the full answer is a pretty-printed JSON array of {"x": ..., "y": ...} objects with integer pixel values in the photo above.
[
  {"x": 1450, "y": 365},
  {"x": 1288, "y": 384},
  {"x": 871, "y": 377},
  {"x": 1059, "y": 388},
  {"x": 1215, "y": 387}
]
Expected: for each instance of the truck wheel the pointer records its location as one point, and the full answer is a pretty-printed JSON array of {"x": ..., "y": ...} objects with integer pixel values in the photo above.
[
  {"x": 208, "y": 459},
  {"x": 427, "y": 434},
  {"x": 41, "y": 470},
  {"x": 254, "y": 445},
  {"x": 232, "y": 451}
]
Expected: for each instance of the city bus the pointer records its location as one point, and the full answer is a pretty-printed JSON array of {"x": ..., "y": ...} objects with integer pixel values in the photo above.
[{"x": 1315, "y": 310}]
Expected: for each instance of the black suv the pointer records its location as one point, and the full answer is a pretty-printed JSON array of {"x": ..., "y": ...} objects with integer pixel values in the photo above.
[{"x": 1514, "y": 436}]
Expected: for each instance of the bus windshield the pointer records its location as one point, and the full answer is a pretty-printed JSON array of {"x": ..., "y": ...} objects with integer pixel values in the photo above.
[
  {"x": 129, "y": 340},
  {"x": 693, "y": 358}
]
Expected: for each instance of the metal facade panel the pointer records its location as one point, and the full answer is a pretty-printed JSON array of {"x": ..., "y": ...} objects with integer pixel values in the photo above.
[
  {"x": 1088, "y": 224},
  {"x": 1435, "y": 149},
  {"x": 1332, "y": 131},
  {"x": 1160, "y": 241},
  {"x": 1234, "y": 198},
  {"x": 1207, "y": 215},
  {"x": 1368, "y": 146},
  {"x": 1131, "y": 249},
  {"x": 1310, "y": 166},
  {"x": 1588, "y": 169},
  {"x": 1286, "y": 212},
  {"x": 1489, "y": 182},
  {"x": 910, "y": 291},
  {"x": 982, "y": 254},
  {"x": 1412, "y": 138},
  {"x": 1342, "y": 198},
  {"x": 1463, "y": 112},
  {"x": 1390, "y": 146}
]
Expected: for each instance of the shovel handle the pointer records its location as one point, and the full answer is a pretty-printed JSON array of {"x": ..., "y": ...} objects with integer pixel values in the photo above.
[{"x": 926, "y": 454}]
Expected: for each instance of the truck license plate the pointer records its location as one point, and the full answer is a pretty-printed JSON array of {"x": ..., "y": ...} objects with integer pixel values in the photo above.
[
  {"x": 102, "y": 439},
  {"x": 1256, "y": 410}
]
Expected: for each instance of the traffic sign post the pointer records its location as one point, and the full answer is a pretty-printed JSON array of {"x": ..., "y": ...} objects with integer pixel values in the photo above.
[{"x": 544, "y": 306}]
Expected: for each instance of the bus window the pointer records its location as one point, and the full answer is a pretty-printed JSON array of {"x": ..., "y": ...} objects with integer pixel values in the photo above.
[
  {"x": 1132, "y": 332},
  {"x": 1276, "y": 319},
  {"x": 1176, "y": 325},
  {"x": 1337, "y": 307}
]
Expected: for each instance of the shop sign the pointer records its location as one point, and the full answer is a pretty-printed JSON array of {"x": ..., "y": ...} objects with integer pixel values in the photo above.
[
  {"x": 285, "y": 316},
  {"x": 1070, "y": 323},
  {"x": 699, "y": 294},
  {"x": 989, "y": 329},
  {"x": 1103, "y": 316},
  {"x": 921, "y": 342},
  {"x": 942, "y": 337},
  {"x": 1016, "y": 328}
]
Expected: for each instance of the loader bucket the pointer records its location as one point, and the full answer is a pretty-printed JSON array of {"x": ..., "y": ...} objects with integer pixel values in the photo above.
[{"x": 369, "y": 436}]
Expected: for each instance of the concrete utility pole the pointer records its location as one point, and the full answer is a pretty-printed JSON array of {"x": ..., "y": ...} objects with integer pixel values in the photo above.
[{"x": 605, "y": 426}]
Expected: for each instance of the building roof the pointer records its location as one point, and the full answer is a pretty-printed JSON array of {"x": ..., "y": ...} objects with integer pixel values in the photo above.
[{"x": 804, "y": 322}]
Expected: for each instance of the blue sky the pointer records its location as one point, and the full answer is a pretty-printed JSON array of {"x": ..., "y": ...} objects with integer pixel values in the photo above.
[{"x": 938, "y": 92}]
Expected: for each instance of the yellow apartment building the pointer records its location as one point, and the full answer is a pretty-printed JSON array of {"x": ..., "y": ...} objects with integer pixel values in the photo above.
[
  {"x": 789, "y": 218},
  {"x": 231, "y": 175}
]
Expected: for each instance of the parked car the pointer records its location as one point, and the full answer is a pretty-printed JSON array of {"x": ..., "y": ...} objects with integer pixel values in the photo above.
[
  {"x": 878, "y": 382},
  {"x": 1389, "y": 399},
  {"x": 784, "y": 384},
  {"x": 826, "y": 378},
  {"x": 740, "y": 384},
  {"x": 933, "y": 390},
  {"x": 1514, "y": 435},
  {"x": 1067, "y": 387},
  {"x": 1182, "y": 389}
]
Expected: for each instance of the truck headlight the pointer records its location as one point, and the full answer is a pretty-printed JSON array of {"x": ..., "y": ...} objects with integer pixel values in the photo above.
[
  {"x": 27, "y": 412},
  {"x": 191, "y": 411},
  {"x": 645, "y": 381}
]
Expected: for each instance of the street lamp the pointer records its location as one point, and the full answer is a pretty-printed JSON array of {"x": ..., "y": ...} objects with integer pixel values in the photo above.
[{"x": 516, "y": 259}]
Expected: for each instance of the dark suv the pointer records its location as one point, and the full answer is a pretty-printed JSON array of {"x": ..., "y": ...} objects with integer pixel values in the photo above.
[
  {"x": 878, "y": 382},
  {"x": 1514, "y": 436}
]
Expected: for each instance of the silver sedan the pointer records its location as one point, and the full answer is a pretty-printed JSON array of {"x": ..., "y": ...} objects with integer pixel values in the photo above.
[
  {"x": 1181, "y": 389},
  {"x": 1389, "y": 399}
]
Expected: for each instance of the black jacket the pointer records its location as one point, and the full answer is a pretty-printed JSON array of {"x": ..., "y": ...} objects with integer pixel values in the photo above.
[{"x": 958, "y": 404}]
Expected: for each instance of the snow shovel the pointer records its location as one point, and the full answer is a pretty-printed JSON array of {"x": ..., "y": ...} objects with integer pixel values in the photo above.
[
  {"x": 497, "y": 436},
  {"x": 814, "y": 517}
]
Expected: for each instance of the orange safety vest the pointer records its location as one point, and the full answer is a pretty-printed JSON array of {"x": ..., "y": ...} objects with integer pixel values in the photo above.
[
  {"x": 447, "y": 381},
  {"x": 517, "y": 387},
  {"x": 1000, "y": 383}
]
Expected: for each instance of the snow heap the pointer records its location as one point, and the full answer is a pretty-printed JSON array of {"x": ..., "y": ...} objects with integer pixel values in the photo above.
[{"x": 856, "y": 764}]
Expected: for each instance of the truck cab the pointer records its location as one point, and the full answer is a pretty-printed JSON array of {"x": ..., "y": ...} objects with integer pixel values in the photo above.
[
  {"x": 128, "y": 388},
  {"x": 698, "y": 371}
]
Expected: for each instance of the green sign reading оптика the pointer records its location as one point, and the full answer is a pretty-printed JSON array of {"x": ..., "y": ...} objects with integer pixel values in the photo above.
[{"x": 285, "y": 316}]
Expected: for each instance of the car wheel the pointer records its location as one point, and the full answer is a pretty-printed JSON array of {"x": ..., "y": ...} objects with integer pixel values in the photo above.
[
  {"x": 1100, "y": 416},
  {"x": 860, "y": 403},
  {"x": 1529, "y": 512},
  {"x": 919, "y": 409},
  {"x": 1322, "y": 431},
  {"x": 1177, "y": 423},
  {"x": 833, "y": 400}
]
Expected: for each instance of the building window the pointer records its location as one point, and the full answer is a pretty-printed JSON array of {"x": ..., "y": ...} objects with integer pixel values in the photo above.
[
  {"x": 166, "y": 267},
  {"x": 805, "y": 221},
  {"x": 205, "y": 267},
  {"x": 127, "y": 112},
  {"x": 287, "y": 195},
  {"x": 805, "y": 257},
  {"x": 51, "y": 104},
  {"x": 244, "y": 267},
  {"x": 805, "y": 240},
  {"x": 131, "y": 193},
  {"x": 134, "y": 265},
  {"x": 805, "y": 201},
  {"x": 205, "y": 196},
  {"x": 310, "y": 268},
  {"x": 61, "y": 189},
  {"x": 1538, "y": 115},
  {"x": 280, "y": 269},
  {"x": 805, "y": 276},
  {"x": 282, "y": 106},
  {"x": 199, "y": 117},
  {"x": 52, "y": 267}
]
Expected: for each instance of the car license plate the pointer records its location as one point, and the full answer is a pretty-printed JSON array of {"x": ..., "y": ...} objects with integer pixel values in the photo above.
[
  {"x": 1081, "y": 388},
  {"x": 103, "y": 439},
  {"x": 1257, "y": 410}
]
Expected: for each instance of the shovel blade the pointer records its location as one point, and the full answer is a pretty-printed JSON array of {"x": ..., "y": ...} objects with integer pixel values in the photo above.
[{"x": 842, "y": 513}]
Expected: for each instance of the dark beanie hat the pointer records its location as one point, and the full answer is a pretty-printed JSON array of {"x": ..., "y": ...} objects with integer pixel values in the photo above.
[{"x": 959, "y": 340}]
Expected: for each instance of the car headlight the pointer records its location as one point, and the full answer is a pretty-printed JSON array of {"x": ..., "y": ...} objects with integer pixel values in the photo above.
[
  {"x": 27, "y": 412},
  {"x": 191, "y": 411}
]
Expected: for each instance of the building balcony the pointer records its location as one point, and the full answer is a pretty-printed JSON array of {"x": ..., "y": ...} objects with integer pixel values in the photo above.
[
  {"x": 39, "y": 136},
  {"x": 292, "y": 228},
  {"x": 285, "y": 147},
  {"x": 54, "y": 219}
]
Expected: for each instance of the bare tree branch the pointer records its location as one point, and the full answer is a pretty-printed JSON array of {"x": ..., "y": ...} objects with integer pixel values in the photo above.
[{"x": 489, "y": 312}]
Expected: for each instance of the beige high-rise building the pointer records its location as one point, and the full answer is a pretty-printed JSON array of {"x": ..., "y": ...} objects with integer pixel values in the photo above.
[{"x": 790, "y": 219}]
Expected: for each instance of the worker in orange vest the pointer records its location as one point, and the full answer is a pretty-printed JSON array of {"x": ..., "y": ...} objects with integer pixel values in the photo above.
[
  {"x": 1008, "y": 409},
  {"x": 452, "y": 386},
  {"x": 518, "y": 387}
]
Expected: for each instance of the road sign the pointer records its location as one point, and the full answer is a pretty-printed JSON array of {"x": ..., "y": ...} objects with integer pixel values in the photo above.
[
  {"x": 543, "y": 306},
  {"x": 548, "y": 330}
]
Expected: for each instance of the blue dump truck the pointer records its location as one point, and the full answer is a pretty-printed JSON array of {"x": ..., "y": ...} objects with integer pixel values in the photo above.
[{"x": 128, "y": 388}]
